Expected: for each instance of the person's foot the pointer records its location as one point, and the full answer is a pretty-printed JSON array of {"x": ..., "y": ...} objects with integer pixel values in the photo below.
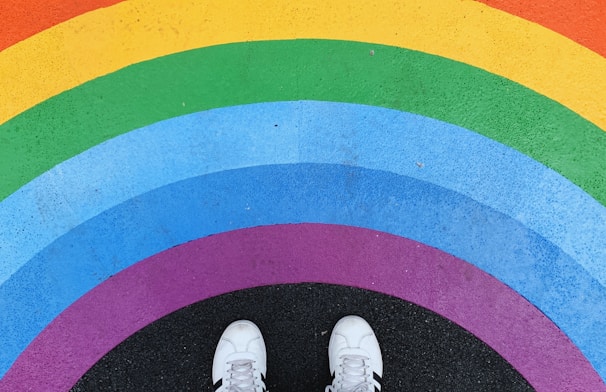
[
  {"x": 240, "y": 359},
  {"x": 354, "y": 357}
]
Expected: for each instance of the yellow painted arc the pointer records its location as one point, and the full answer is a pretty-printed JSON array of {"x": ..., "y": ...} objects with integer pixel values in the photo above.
[{"x": 107, "y": 39}]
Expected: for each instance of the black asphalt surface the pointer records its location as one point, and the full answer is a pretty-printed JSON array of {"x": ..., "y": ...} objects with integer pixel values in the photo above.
[{"x": 421, "y": 350}]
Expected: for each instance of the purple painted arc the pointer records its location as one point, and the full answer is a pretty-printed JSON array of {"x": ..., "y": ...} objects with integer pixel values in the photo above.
[
  {"x": 214, "y": 265},
  {"x": 276, "y": 194}
]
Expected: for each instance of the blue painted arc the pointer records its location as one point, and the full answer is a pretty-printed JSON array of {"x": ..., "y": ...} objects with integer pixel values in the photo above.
[
  {"x": 293, "y": 132},
  {"x": 296, "y": 193}
]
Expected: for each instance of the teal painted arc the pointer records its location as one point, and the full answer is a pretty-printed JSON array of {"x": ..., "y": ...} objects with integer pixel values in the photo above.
[
  {"x": 298, "y": 132},
  {"x": 243, "y": 73}
]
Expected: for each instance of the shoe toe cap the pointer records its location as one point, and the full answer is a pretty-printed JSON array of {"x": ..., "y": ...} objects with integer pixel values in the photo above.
[
  {"x": 243, "y": 336},
  {"x": 241, "y": 340},
  {"x": 352, "y": 335}
]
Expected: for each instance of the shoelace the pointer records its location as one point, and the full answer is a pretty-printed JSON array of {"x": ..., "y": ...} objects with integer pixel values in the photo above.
[
  {"x": 354, "y": 376},
  {"x": 241, "y": 376}
]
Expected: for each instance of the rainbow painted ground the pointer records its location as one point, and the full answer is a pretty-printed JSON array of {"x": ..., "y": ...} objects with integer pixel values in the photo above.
[{"x": 138, "y": 139}]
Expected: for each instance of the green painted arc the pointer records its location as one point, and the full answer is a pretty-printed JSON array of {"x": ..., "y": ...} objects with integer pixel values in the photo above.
[{"x": 267, "y": 71}]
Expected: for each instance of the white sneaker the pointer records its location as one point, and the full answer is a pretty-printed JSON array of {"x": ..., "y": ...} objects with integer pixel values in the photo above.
[
  {"x": 240, "y": 359},
  {"x": 354, "y": 357}
]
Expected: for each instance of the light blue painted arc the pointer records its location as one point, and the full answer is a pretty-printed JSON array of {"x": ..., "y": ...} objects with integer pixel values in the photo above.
[
  {"x": 320, "y": 193},
  {"x": 302, "y": 131}
]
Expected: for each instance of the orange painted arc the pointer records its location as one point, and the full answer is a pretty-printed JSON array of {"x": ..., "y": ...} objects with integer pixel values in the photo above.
[
  {"x": 582, "y": 21},
  {"x": 24, "y": 18}
]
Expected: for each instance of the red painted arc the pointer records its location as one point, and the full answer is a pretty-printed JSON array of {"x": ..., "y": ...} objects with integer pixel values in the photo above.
[{"x": 582, "y": 21}]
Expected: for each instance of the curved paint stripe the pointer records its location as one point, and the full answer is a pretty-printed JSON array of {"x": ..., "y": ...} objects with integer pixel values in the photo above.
[
  {"x": 522, "y": 51},
  {"x": 581, "y": 21},
  {"x": 333, "y": 194},
  {"x": 296, "y": 132},
  {"x": 204, "y": 268},
  {"x": 24, "y": 18},
  {"x": 213, "y": 77}
]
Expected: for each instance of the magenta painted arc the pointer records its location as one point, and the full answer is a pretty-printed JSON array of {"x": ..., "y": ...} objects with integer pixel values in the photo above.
[{"x": 277, "y": 254}]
